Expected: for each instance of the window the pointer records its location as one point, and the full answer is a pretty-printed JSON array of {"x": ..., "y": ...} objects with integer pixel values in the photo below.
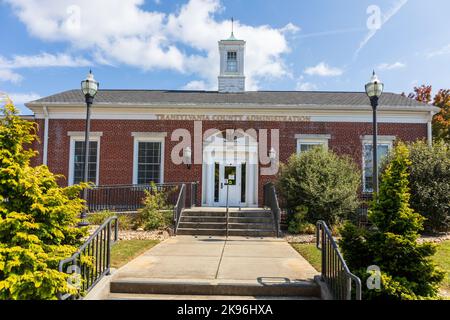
[
  {"x": 76, "y": 157},
  {"x": 232, "y": 61},
  {"x": 306, "y": 142},
  {"x": 149, "y": 162},
  {"x": 382, "y": 150},
  {"x": 78, "y": 162},
  {"x": 148, "y": 165}
]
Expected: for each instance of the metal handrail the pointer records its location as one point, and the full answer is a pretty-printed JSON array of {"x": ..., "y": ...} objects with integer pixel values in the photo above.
[
  {"x": 335, "y": 272},
  {"x": 97, "y": 247},
  {"x": 271, "y": 201},
  {"x": 179, "y": 207}
]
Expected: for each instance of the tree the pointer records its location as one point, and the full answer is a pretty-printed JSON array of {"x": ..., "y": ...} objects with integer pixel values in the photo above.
[
  {"x": 407, "y": 271},
  {"x": 441, "y": 121},
  {"x": 321, "y": 185},
  {"x": 37, "y": 217}
]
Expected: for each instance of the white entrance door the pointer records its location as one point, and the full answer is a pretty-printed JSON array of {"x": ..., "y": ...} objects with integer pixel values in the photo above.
[{"x": 230, "y": 182}]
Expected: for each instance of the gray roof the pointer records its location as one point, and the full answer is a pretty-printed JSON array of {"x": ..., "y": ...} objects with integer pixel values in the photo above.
[{"x": 152, "y": 97}]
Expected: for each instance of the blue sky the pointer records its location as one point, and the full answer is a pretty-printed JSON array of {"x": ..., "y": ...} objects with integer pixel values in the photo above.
[{"x": 48, "y": 46}]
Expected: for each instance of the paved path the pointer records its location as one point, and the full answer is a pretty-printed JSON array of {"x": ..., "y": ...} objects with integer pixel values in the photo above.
[{"x": 218, "y": 258}]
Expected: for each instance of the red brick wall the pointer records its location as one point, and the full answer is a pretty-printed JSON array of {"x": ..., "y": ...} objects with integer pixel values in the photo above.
[{"x": 116, "y": 144}]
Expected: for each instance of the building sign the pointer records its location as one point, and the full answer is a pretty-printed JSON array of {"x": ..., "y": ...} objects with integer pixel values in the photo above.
[{"x": 190, "y": 117}]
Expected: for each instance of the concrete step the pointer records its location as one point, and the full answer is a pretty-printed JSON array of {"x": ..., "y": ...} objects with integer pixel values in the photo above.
[
  {"x": 195, "y": 213},
  {"x": 250, "y": 220},
  {"x": 251, "y": 226},
  {"x": 214, "y": 287},
  {"x": 201, "y": 232},
  {"x": 251, "y": 233},
  {"x": 202, "y": 219},
  {"x": 251, "y": 214},
  {"x": 203, "y": 225},
  {"x": 134, "y": 296}
]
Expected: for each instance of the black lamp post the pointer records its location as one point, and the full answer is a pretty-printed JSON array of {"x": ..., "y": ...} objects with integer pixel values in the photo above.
[
  {"x": 89, "y": 87},
  {"x": 374, "y": 90}
]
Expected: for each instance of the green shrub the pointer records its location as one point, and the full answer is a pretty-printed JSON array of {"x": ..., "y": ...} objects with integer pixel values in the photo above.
[
  {"x": 322, "y": 182},
  {"x": 97, "y": 218},
  {"x": 38, "y": 219},
  {"x": 297, "y": 223},
  {"x": 430, "y": 184},
  {"x": 156, "y": 213},
  {"x": 407, "y": 271}
]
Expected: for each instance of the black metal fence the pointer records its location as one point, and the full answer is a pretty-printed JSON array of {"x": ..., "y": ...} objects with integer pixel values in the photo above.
[
  {"x": 342, "y": 284},
  {"x": 128, "y": 198},
  {"x": 271, "y": 201},
  {"x": 92, "y": 261}
]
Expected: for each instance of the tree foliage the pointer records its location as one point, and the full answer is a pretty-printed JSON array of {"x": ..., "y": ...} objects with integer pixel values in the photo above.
[
  {"x": 407, "y": 271},
  {"x": 321, "y": 183},
  {"x": 37, "y": 217}
]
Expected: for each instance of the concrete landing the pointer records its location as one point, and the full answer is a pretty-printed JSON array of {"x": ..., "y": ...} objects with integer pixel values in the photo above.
[{"x": 234, "y": 266}]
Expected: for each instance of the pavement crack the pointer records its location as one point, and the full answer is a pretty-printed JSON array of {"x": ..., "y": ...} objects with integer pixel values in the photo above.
[{"x": 221, "y": 256}]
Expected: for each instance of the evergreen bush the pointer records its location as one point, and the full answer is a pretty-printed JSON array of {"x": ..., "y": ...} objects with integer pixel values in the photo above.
[{"x": 38, "y": 219}]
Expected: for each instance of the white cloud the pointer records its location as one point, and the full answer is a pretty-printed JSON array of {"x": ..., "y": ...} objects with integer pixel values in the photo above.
[
  {"x": 196, "y": 85},
  {"x": 123, "y": 32},
  {"x": 440, "y": 52},
  {"x": 10, "y": 76},
  {"x": 384, "y": 19},
  {"x": 42, "y": 60},
  {"x": 22, "y": 98},
  {"x": 391, "y": 66},
  {"x": 304, "y": 85},
  {"x": 323, "y": 70}
]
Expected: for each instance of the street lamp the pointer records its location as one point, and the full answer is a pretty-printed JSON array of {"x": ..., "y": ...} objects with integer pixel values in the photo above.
[
  {"x": 374, "y": 90},
  {"x": 89, "y": 87}
]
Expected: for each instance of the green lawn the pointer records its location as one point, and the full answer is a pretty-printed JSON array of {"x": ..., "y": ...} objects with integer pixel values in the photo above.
[
  {"x": 310, "y": 253},
  {"x": 442, "y": 258},
  {"x": 126, "y": 250}
]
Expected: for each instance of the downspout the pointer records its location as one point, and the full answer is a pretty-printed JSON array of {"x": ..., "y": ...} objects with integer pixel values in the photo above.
[
  {"x": 45, "y": 152},
  {"x": 430, "y": 130}
]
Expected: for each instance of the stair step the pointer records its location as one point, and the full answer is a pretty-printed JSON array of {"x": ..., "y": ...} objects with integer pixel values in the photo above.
[
  {"x": 251, "y": 226},
  {"x": 201, "y": 232},
  {"x": 202, "y": 219},
  {"x": 251, "y": 233},
  {"x": 143, "y": 296},
  {"x": 250, "y": 220},
  {"x": 251, "y": 214},
  {"x": 214, "y": 287},
  {"x": 193, "y": 213},
  {"x": 203, "y": 225}
]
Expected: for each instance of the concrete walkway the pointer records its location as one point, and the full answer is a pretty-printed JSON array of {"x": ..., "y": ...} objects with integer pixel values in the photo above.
[{"x": 265, "y": 260}]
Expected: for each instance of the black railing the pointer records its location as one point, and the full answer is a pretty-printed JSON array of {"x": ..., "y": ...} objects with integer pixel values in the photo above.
[
  {"x": 271, "y": 201},
  {"x": 128, "y": 198},
  {"x": 92, "y": 261},
  {"x": 335, "y": 273},
  {"x": 179, "y": 207}
]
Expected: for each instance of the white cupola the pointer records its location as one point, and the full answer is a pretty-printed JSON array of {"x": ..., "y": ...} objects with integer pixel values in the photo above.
[{"x": 232, "y": 52}]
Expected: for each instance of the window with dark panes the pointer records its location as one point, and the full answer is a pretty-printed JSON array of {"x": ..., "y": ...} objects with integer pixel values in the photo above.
[
  {"x": 149, "y": 162},
  {"x": 78, "y": 163}
]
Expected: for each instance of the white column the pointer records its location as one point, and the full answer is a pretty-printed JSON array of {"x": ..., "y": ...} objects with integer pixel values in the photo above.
[
  {"x": 45, "y": 151},
  {"x": 430, "y": 130}
]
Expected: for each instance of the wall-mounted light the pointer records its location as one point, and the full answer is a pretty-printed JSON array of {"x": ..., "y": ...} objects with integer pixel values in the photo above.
[
  {"x": 272, "y": 155},
  {"x": 187, "y": 156}
]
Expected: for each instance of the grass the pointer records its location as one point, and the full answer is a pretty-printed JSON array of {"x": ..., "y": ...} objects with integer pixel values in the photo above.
[
  {"x": 310, "y": 253},
  {"x": 126, "y": 250},
  {"x": 441, "y": 258}
]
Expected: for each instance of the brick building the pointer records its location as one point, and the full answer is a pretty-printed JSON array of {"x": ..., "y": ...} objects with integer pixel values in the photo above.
[{"x": 138, "y": 136}]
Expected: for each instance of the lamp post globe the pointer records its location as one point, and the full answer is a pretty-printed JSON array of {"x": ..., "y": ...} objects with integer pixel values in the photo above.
[
  {"x": 374, "y": 90},
  {"x": 89, "y": 88}
]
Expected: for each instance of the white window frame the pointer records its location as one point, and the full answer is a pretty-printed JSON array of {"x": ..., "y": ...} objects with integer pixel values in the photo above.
[
  {"x": 368, "y": 140},
  {"x": 148, "y": 137},
  {"x": 312, "y": 139},
  {"x": 236, "y": 62},
  {"x": 79, "y": 136}
]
